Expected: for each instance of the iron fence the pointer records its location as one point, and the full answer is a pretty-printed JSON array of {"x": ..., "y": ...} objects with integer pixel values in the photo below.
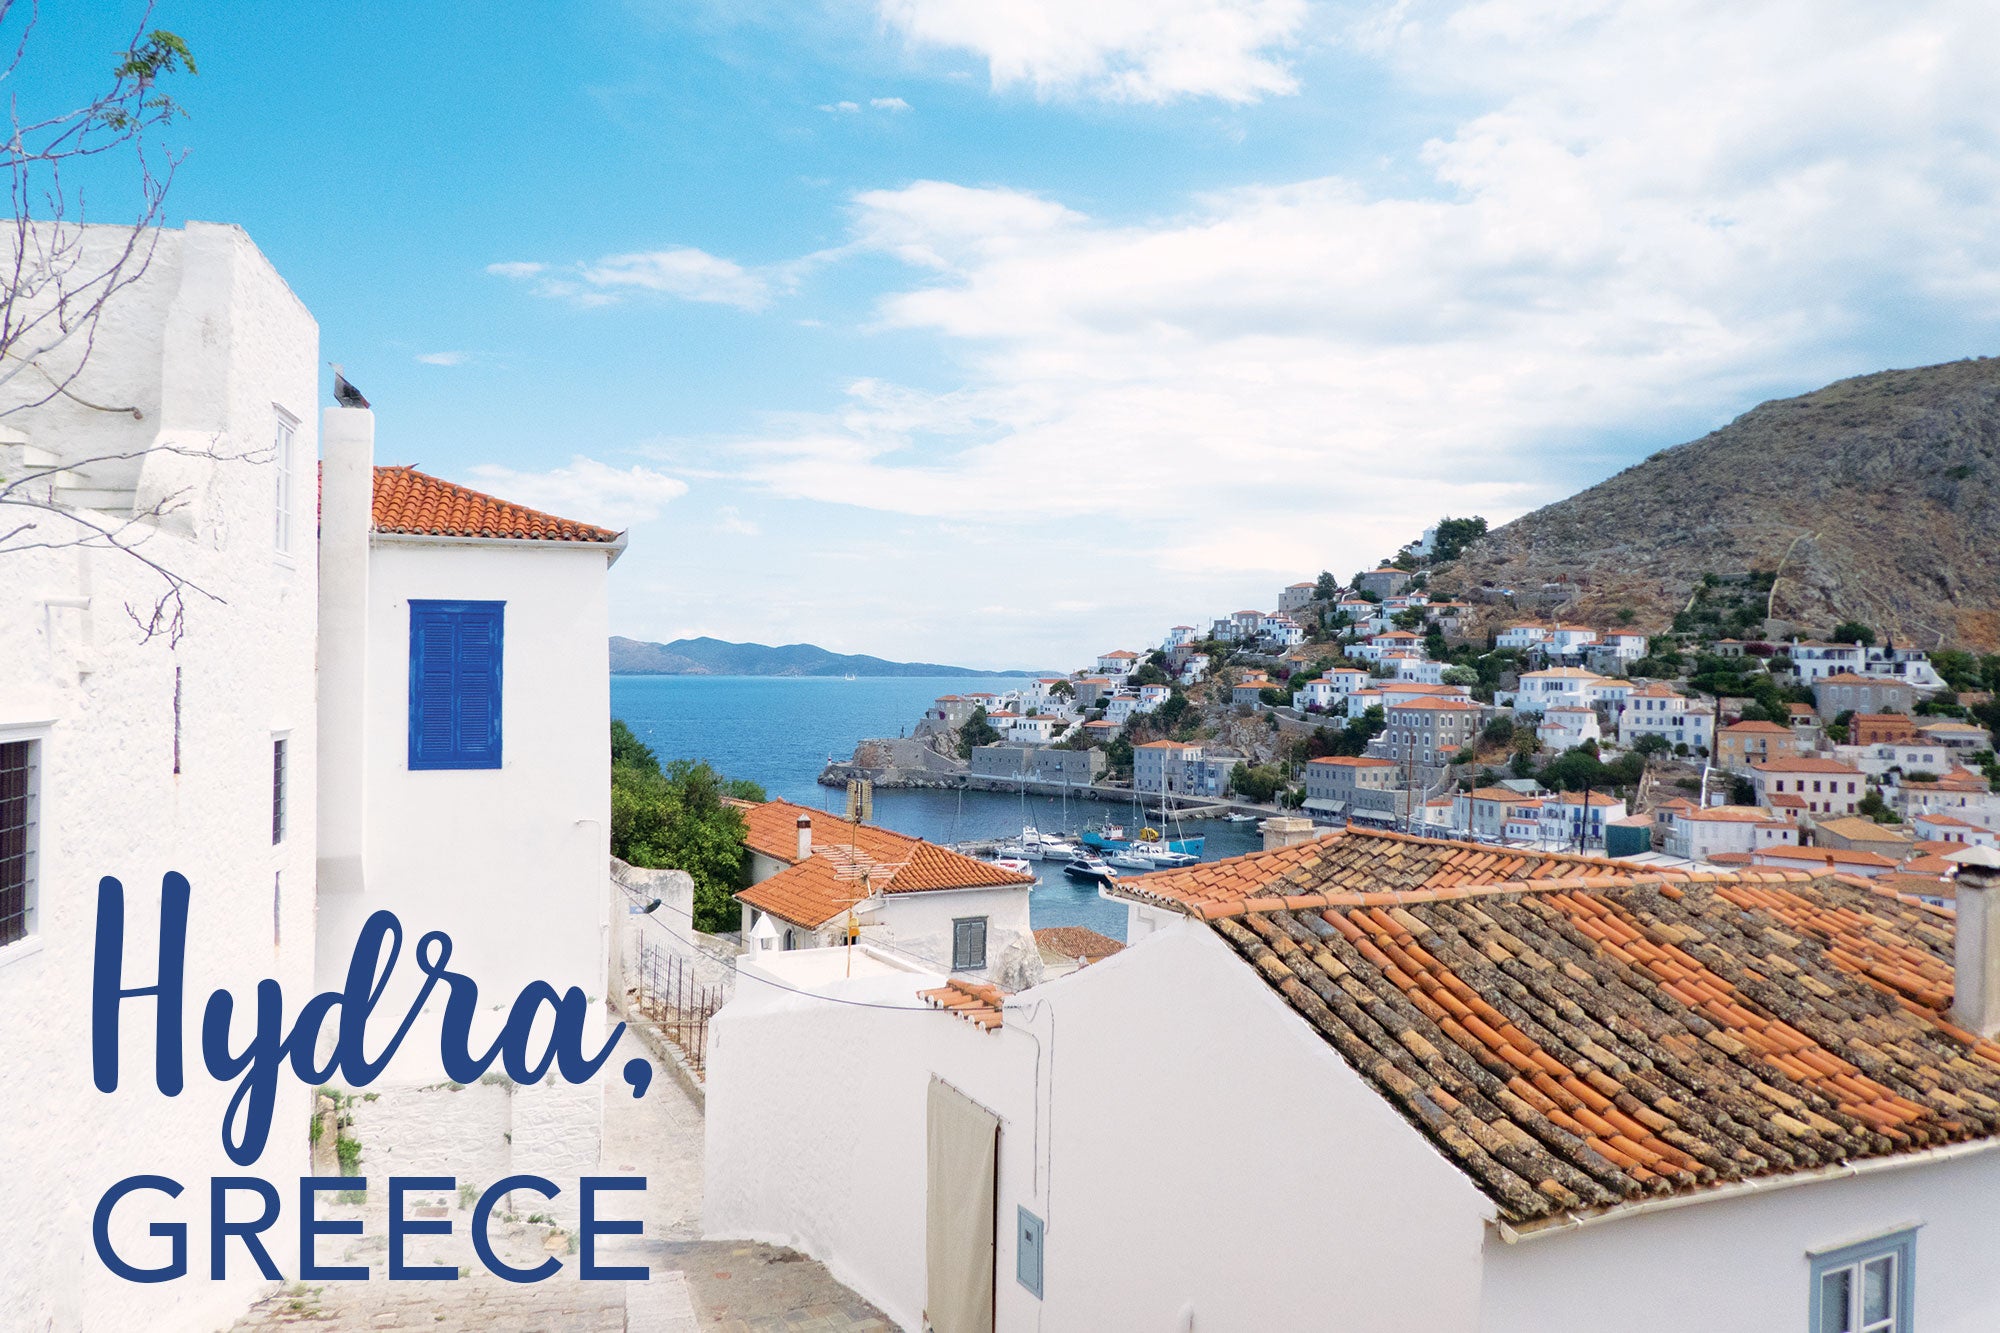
[{"x": 676, "y": 1003}]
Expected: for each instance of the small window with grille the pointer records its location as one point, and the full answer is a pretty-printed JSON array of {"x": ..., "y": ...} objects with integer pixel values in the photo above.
[{"x": 19, "y": 798}]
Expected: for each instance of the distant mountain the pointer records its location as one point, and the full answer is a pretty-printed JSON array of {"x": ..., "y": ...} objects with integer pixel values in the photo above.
[
  {"x": 1874, "y": 499},
  {"x": 717, "y": 657}
]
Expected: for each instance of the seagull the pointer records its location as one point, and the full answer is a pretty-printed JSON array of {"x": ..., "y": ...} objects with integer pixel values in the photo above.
[{"x": 344, "y": 393}]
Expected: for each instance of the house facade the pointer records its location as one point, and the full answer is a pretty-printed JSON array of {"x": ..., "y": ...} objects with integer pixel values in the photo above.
[
  {"x": 1431, "y": 730},
  {"x": 189, "y": 751},
  {"x": 1847, "y": 692},
  {"x": 1826, "y": 787},
  {"x": 818, "y": 881},
  {"x": 1356, "y": 787},
  {"x": 1659, "y": 710}
]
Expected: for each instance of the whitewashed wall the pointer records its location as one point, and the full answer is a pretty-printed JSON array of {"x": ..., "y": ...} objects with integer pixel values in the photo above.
[
  {"x": 1193, "y": 1146},
  {"x": 102, "y": 703},
  {"x": 510, "y": 862},
  {"x": 1742, "y": 1263}
]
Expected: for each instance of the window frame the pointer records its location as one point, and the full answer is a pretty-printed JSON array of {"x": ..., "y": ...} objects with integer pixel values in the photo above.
[
  {"x": 284, "y": 454},
  {"x": 29, "y": 940},
  {"x": 1901, "y": 1245},
  {"x": 281, "y": 785},
  {"x": 958, "y": 953},
  {"x": 456, "y": 758}
]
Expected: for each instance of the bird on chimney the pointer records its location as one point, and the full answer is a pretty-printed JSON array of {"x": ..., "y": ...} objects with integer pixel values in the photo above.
[{"x": 344, "y": 393}]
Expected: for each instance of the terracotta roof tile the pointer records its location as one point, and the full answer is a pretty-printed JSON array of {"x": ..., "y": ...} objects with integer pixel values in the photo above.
[
  {"x": 850, "y": 862},
  {"x": 415, "y": 503},
  {"x": 975, "y": 1003},
  {"x": 1580, "y": 1041}
]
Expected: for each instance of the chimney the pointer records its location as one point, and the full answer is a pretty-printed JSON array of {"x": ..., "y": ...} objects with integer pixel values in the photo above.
[
  {"x": 1284, "y": 830},
  {"x": 1975, "y": 1003},
  {"x": 805, "y": 836},
  {"x": 346, "y": 515}
]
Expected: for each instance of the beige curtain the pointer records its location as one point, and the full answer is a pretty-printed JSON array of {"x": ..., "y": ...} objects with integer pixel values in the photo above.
[{"x": 961, "y": 1146}]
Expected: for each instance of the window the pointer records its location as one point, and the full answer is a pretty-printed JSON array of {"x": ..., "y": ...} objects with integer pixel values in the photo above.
[
  {"x": 277, "y": 907},
  {"x": 968, "y": 943},
  {"x": 1865, "y": 1288},
  {"x": 281, "y": 457},
  {"x": 277, "y": 790},
  {"x": 455, "y": 657},
  {"x": 17, "y": 840}
]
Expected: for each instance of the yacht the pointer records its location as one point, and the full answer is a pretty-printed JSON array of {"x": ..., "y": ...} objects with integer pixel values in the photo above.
[
  {"x": 1039, "y": 846},
  {"x": 1018, "y": 865},
  {"x": 1090, "y": 868},
  {"x": 1238, "y": 817},
  {"x": 1152, "y": 856}
]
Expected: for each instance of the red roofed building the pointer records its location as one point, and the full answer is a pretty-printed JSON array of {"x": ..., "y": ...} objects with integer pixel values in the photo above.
[
  {"x": 813, "y": 873},
  {"x": 1827, "y": 786},
  {"x": 1431, "y": 730}
]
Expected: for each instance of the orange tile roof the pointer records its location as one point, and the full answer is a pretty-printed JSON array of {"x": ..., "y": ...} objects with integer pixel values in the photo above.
[
  {"x": 849, "y": 862},
  {"x": 1806, "y": 765},
  {"x": 1759, "y": 728},
  {"x": 415, "y": 503},
  {"x": 1829, "y": 856},
  {"x": 970, "y": 1000},
  {"x": 1729, "y": 814},
  {"x": 1350, "y": 761},
  {"x": 1433, "y": 704},
  {"x": 1573, "y": 1044},
  {"x": 1851, "y": 678}
]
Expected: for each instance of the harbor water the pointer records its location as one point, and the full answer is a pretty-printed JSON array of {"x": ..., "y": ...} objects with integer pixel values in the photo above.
[{"x": 779, "y": 731}]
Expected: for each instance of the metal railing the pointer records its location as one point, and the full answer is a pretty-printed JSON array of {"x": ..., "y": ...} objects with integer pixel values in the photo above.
[{"x": 675, "y": 1003}]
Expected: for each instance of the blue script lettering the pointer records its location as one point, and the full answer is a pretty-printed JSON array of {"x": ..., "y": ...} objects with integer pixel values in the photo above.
[{"x": 247, "y": 1122}]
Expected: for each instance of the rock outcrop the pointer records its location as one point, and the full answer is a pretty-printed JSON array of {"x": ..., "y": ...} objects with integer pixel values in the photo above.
[{"x": 1874, "y": 499}]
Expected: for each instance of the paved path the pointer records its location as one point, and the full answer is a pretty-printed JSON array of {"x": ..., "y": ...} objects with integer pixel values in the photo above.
[{"x": 697, "y": 1286}]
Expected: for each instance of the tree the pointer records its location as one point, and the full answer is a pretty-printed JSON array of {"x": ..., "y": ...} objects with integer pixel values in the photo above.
[
  {"x": 1326, "y": 588},
  {"x": 1062, "y": 689},
  {"x": 1453, "y": 536},
  {"x": 1652, "y": 743},
  {"x": 1853, "y": 631},
  {"x": 1149, "y": 675},
  {"x": 1459, "y": 675},
  {"x": 60, "y": 277},
  {"x": 977, "y": 731},
  {"x": 1256, "y": 784},
  {"x": 677, "y": 819}
]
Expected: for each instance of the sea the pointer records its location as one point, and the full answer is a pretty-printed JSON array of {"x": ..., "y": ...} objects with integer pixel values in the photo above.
[{"x": 780, "y": 731}]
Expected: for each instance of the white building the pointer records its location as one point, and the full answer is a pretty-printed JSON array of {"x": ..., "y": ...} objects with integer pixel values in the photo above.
[
  {"x": 1416, "y": 667},
  {"x": 1659, "y": 710},
  {"x": 1702, "y": 834},
  {"x": 815, "y": 876},
  {"x": 1522, "y": 636},
  {"x": 1180, "y": 636},
  {"x": 1117, "y": 663},
  {"x": 1827, "y": 787},
  {"x": 1284, "y": 631},
  {"x": 1163, "y": 766},
  {"x": 191, "y": 752},
  {"x": 464, "y": 684},
  {"x": 1561, "y": 687},
  {"x": 1565, "y": 728},
  {"x": 1012, "y": 1144}
]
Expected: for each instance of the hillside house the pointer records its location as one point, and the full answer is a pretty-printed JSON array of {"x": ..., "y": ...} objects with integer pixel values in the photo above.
[
  {"x": 1703, "y": 834},
  {"x": 1742, "y": 745},
  {"x": 1958, "y": 792},
  {"x": 1295, "y": 595},
  {"x": 1118, "y": 662},
  {"x": 1164, "y": 766},
  {"x": 1561, "y": 687},
  {"x": 1855, "y": 833},
  {"x": 1952, "y": 829},
  {"x": 1566, "y": 728},
  {"x": 1461, "y": 1202},
  {"x": 1827, "y": 786},
  {"x": 1520, "y": 637},
  {"x": 1846, "y": 692},
  {"x": 1384, "y": 582},
  {"x": 1431, "y": 731},
  {"x": 1179, "y": 636},
  {"x": 1660, "y": 710},
  {"x": 1484, "y": 811},
  {"x": 815, "y": 876},
  {"x": 1829, "y": 860},
  {"x": 1415, "y": 667},
  {"x": 1354, "y": 787},
  {"x": 1577, "y": 819},
  {"x": 1249, "y": 688}
]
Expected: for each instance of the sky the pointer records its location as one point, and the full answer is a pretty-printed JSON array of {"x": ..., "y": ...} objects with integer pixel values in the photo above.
[{"x": 1007, "y": 332}]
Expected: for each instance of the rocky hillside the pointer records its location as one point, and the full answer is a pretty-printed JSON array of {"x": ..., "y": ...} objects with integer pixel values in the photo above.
[{"x": 1875, "y": 499}]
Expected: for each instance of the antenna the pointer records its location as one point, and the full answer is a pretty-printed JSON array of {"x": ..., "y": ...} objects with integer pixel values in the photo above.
[{"x": 860, "y": 800}]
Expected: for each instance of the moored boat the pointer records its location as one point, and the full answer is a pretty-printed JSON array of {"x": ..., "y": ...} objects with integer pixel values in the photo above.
[
  {"x": 1090, "y": 868},
  {"x": 1018, "y": 865},
  {"x": 1151, "y": 856}
]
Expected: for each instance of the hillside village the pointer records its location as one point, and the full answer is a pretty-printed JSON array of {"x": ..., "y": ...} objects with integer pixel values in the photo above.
[
  {"x": 1582, "y": 957},
  {"x": 1710, "y": 741}
]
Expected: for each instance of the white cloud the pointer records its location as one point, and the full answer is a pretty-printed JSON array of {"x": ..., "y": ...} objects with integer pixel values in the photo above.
[
  {"x": 888, "y": 104},
  {"x": 730, "y": 519},
  {"x": 841, "y": 108},
  {"x": 1120, "y": 50},
  {"x": 1645, "y": 217},
  {"x": 681, "y": 272},
  {"x": 441, "y": 358},
  {"x": 586, "y": 490}
]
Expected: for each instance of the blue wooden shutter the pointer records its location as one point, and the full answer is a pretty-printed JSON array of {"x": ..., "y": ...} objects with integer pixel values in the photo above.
[{"x": 455, "y": 699}]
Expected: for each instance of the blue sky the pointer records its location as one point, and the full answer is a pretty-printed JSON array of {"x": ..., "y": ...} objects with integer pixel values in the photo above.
[{"x": 1007, "y": 332}]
